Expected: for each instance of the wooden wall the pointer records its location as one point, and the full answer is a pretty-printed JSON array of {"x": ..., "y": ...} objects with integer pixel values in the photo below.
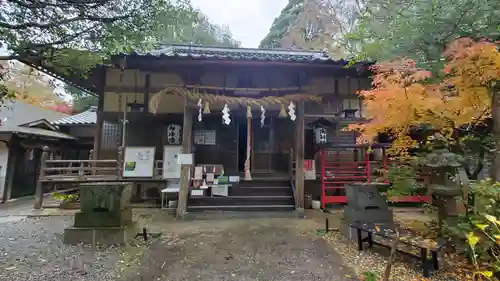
[{"x": 131, "y": 83}]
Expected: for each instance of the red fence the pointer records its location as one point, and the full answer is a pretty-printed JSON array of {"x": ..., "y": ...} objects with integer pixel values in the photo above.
[{"x": 341, "y": 165}]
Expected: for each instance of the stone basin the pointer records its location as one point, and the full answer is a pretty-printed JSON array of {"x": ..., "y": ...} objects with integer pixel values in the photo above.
[{"x": 104, "y": 204}]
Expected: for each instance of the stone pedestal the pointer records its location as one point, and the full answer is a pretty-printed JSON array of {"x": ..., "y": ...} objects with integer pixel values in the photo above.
[
  {"x": 105, "y": 215},
  {"x": 365, "y": 204},
  {"x": 446, "y": 202}
]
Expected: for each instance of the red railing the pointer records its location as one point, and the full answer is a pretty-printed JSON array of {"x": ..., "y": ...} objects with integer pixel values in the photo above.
[{"x": 341, "y": 165}]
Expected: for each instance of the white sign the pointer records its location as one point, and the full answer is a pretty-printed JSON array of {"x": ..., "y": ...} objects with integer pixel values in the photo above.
[
  {"x": 220, "y": 190},
  {"x": 310, "y": 169},
  {"x": 171, "y": 167},
  {"x": 138, "y": 162},
  {"x": 185, "y": 159}
]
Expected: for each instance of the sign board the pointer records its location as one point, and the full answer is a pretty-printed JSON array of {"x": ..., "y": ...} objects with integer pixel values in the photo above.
[
  {"x": 185, "y": 159},
  {"x": 171, "y": 166},
  {"x": 310, "y": 169},
  {"x": 205, "y": 137},
  {"x": 138, "y": 162}
]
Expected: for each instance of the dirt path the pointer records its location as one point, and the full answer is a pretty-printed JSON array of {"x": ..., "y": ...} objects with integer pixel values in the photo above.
[{"x": 259, "y": 249}]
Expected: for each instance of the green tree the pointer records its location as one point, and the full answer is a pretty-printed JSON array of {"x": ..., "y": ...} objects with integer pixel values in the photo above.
[
  {"x": 70, "y": 37},
  {"x": 420, "y": 29},
  {"x": 81, "y": 99},
  {"x": 315, "y": 25},
  {"x": 282, "y": 24}
]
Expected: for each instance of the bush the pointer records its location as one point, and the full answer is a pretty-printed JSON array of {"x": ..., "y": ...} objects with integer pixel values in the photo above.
[
  {"x": 477, "y": 232},
  {"x": 486, "y": 236}
]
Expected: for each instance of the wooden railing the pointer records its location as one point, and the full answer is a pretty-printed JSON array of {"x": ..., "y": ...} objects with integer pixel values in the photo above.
[{"x": 57, "y": 171}]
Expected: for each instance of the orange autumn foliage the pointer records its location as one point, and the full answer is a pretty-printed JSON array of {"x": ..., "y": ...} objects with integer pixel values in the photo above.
[
  {"x": 47, "y": 104},
  {"x": 401, "y": 98}
]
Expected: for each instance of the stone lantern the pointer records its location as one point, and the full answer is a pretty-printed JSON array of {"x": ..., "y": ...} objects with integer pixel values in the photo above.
[{"x": 444, "y": 165}]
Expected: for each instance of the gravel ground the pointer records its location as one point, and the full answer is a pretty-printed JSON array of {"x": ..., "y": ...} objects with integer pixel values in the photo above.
[
  {"x": 258, "y": 249},
  {"x": 243, "y": 250},
  {"x": 32, "y": 250}
]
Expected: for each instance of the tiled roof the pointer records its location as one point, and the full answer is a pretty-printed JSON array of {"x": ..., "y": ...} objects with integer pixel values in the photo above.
[
  {"x": 35, "y": 131},
  {"x": 17, "y": 112},
  {"x": 87, "y": 117},
  {"x": 229, "y": 53},
  {"x": 16, "y": 115}
]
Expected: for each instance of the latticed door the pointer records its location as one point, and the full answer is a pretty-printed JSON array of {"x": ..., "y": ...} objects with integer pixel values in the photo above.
[{"x": 262, "y": 147}]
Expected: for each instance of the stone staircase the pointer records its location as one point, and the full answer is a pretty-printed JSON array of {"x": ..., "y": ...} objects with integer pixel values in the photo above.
[{"x": 259, "y": 195}]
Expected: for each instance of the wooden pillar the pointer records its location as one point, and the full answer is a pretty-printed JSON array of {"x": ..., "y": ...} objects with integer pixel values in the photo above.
[
  {"x": 248, "y": 174},
  {"x": 187, "y": 129},
  {"x": 39, "y": 184},
  {"x": 98, "y": 136},
  {"x": 299, "y": 157},
  {"x": 12, "y": 158},
  {"x": 99, "y": 114}
]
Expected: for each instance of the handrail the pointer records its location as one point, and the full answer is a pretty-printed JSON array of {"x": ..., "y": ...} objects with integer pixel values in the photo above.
[{"x": 87, "y": 170}]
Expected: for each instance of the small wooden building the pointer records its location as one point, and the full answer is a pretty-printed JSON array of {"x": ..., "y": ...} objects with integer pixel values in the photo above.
[
  {"x": 24, "y": 130},
  {"x": 247, "y": 110}
]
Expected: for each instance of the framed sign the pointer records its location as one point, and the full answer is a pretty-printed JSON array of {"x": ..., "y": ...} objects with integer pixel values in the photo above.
[
  {"x": 138, "y": 162},
  {"x": 171, "y": 166},
  {"x": 205, "y": 137}
]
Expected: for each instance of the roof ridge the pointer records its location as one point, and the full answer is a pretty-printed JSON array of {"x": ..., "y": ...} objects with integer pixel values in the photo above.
[{"x": 235, "y": 49}]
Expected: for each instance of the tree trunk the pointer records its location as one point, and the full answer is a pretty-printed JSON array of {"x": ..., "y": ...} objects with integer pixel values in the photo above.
[{"x": 495, "y": 115}]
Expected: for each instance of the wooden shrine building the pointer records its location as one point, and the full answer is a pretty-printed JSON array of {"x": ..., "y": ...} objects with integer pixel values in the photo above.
[{"x": 247, "y": 115}]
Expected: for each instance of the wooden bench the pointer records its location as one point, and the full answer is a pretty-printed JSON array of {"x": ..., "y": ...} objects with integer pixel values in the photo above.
[{"x": 424, "y": 245}]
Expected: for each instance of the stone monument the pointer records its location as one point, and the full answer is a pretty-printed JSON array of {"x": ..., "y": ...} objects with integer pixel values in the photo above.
[
  {"x": 105, "y": 215},
  {"x": 366, "y": 204}
]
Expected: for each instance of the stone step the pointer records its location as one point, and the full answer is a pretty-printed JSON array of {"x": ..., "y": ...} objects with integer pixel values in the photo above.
[
  {"x": 241, "y": 200},
  {"x": 245, "y": 208}
]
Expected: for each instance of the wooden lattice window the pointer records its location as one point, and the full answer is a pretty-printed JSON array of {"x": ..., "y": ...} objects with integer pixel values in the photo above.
[{"x": 111, "y": 133}]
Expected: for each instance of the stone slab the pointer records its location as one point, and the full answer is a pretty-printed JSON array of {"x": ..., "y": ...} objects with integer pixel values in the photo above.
[
  {"x": 369, "y": 216},
  {"x": 100, "y": 235},
  {"x": 363, "y": 196}
]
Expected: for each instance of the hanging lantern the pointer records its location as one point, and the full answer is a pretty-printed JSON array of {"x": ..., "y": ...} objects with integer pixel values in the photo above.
[
  {"x": 225, "y": 115},
  {"x": 282, "y": 111},
  {"x": 320, "y": 130},
  {"x": 262, "y": 116},
  {"x": 206, "y": 109},
  {"x": 200, "y": 117},
  {"x": 249, "y": 111},
  {"x": 174, "y": 134},
  {"x": 291, "y": 111}
]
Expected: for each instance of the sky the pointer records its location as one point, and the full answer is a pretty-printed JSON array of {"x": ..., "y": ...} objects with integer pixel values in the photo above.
[{"x": 248, "y": 20}]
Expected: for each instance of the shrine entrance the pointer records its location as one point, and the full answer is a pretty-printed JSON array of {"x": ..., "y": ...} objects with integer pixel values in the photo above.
[{"x": 270, "y": 143}]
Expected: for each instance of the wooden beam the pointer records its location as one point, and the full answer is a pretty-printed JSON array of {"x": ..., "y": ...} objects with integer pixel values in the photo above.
[
  {"x": 299, "y": 157},
  {"x": 39, "y": 185},
  {"x": 187, "y": 144}
]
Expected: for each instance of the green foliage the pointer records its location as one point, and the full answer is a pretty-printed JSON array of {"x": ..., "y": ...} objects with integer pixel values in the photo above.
[
  {"x": 484, "y": 205},
  {"x": 66, "y": 198},
  {"x": 403, "y": 179},
  {"x": 281, "y": 25},
  {"x": 421, "y": 29},
  {"x": 486, "y": 235},
  {"x": 369, "y": 276},
  {"x": 71, "y": 37}
]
